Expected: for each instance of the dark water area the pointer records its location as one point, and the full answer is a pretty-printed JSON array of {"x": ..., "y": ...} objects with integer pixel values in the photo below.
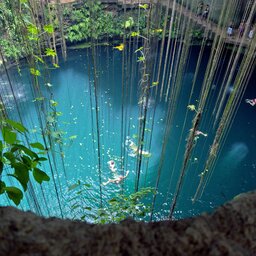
[{"x": 72, "y": 86}]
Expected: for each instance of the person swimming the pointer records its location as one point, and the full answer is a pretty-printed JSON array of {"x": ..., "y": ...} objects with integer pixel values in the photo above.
[
  {"x": 112, "y": 166},
  {"x": 197, "y": 133},
  {"x": 134, "y": 149},
  {"x": 116, "y": 180},
  {"x": 252, "y": 102}
]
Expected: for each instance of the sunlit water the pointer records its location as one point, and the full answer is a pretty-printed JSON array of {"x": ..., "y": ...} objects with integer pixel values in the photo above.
[{"x": 70, "y": 87}]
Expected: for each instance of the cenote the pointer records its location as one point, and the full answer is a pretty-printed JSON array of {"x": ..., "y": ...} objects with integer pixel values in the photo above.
[{"x": 170, "y": 111}]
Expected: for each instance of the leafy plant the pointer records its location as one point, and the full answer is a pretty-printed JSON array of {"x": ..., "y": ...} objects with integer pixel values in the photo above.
[
  {"x": 20, "y": 159},
  {"x": 116, "y": 209},
  {"x": 123, "y": 206}
]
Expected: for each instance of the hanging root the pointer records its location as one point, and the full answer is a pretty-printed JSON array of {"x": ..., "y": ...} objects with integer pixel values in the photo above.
[{"x": 189, "y": 148}]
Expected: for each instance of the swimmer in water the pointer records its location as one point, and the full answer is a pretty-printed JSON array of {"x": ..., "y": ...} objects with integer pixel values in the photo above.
[
  {"x": 197, "y": 133},
  {"x": 252, "y": 102},
  {"x": 116, "y": 180},
  {"x": 135, "y": 149},
  {"x": 112, "y": 166}
]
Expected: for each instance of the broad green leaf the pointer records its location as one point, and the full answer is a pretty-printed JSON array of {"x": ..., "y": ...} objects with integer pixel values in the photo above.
[
  {"x": 14, "y": 194},
  {"x": 22, "y": 175},
  {"x": 26, "y": 150},
  {"x": 2, "y": 186},
  {"x": 40, "y": 176},
  {"x": 10, "y": 156},
  {"x": 37, "y": 145},
  {"x": 8, "y": 135},
  {"x": 88, "y": 208},
  {"x": 26, "y": 160},
  {"x": 49, "y": 28},
  {"x": 17, "y": 126},
  {"x": 41, "y": 159},
  {"x": 1, "y": 166}
]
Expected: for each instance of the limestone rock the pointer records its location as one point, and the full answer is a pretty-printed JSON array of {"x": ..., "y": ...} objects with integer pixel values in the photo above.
[{"x": 230, "y": 230}]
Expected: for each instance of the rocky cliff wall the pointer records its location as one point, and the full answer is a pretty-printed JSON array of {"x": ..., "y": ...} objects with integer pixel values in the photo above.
[{"x": 230, "y": 230}]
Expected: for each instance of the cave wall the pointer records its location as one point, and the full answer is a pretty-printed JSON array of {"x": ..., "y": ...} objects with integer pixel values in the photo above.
[{"x": 229, "y": 230}]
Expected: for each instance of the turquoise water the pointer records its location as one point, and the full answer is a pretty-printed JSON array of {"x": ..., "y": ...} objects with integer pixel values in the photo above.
[{"x": 71, "y": 86}]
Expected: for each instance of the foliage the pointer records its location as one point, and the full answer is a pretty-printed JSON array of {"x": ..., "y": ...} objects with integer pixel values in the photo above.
[
  {"x": 92, "y": 21},
  {"x": 116, "y": 209},
  {"x": 21, "y": 35},
  {"x": 123, "y": 206},
  {"x": 17, "y": 160}
]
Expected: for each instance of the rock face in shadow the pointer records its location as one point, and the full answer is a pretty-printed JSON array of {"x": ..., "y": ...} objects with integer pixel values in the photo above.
[{"x": 230, "y": 230}]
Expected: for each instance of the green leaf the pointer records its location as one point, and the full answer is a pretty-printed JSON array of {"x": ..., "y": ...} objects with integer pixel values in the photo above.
[
  {"x": 135, "y": 33},
  {"x": 40, "y": 176},
  {"x": 1, "y": 167},
  {"x": 143, "y": 6},
  {"x": 32, "y": 29},
  {"x": 17, "y": 126},
  {"x": 54, "y": 103},
  {"x": 55, "y": 65},
  {"x": 50, "y": 52},
  {"x": 88, "y": 208},
  {"x": 10, "y": 156},
  {"x": 42, "y": 158},
  {"x": 37, "y": 145},
  {"x": 22, "y": 177},
  {"x": 25, "y": 150},
  {"x": 26, "y": 160},
  {"x": 73, "y": 137},
  {"x": 73, "y": 186},
  {"x": 141, "y": 59},
  {"x": 35, "y": 72},
  {"x": 2, "y": 186},
  {"x": 74, "y": 206},
  {"x": 8, "y": 135},
  {"x": 129, "y": 22},
  {"x": 39, "y": 59},
  {"x": 23, "y": 1},
  {"x": 49, "y": 28},
  {"x": 38, "y": 99},
  {"x": 14, "y": 194}
]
